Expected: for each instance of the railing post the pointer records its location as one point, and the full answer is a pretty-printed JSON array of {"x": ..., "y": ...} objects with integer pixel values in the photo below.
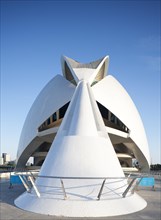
[
  {"x": 101, "y": 189},
  {"x": 136, "y": 185},
  {"x": 32, "y": 175},
  {"x": 24, "y": 183},
  {"x": 129, "y": 186},
  {"x": 34, "y": 186},
  {"x": 62, "y": 184}
]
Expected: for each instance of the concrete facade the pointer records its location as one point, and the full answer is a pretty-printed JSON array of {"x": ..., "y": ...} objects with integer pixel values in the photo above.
[
  {"x": 126, "y": 132},
  {"x": 83, "y": 138}
]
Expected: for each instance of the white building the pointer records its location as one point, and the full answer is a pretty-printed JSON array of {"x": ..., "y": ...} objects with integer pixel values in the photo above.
[
  {"x": 1, "y": 161},
  {"x": 83, "y": 128},
  {"x": 6, "y": 158}
]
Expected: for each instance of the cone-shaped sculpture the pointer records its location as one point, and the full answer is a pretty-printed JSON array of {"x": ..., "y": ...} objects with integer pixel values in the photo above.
[{"x": 81, "y": 175}]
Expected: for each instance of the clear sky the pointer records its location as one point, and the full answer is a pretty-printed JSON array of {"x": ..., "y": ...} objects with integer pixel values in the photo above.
[{"x": 34, "y": 35}]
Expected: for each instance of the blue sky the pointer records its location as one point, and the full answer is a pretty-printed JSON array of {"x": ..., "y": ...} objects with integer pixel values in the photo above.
[{"x": 34, "y": 35}]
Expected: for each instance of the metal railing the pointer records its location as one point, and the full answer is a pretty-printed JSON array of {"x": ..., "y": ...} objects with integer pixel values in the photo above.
[{"x": 28, "y": 180}]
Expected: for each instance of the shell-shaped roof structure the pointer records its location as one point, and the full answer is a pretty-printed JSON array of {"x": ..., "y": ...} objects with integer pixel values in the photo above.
[
  {"x": 83, "y": 126},
  {"x": 120, "y": 115}
]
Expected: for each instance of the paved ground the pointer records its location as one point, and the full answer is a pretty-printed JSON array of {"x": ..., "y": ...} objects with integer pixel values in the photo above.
[{"x": 8, "y": 211}]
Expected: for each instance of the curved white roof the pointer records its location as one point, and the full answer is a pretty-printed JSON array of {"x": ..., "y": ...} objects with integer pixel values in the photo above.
[
  {"x": 107, "y": 91},
  {"x": 110, "y": 93},
  {"x": 53, "y": 96}
]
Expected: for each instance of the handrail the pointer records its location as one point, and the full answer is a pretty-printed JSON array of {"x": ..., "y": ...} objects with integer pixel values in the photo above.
[
  {"x": 32, "y": 177},
  {"x": 75, "y": 177}
]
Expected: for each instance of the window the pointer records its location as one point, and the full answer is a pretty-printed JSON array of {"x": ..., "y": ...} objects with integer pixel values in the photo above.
[
  {"x": 62, "y": 110},
  {"x": 54, "y": 117},
  {"x": 48, "y": 121}
]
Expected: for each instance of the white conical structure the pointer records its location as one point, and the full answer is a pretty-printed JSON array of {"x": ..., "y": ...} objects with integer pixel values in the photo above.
[
  {"x": 81, "y": 157},
  {"x": 82, "y": 145}
]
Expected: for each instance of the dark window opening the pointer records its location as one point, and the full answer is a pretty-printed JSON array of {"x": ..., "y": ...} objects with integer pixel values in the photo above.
[
  {"x": 111, "y": 120},
  {"x": 54, "y": 117},
  {"x": 48, "y": 121},
  {"x": 104, "y": 111},
  {"x": 63, "y": 110}
]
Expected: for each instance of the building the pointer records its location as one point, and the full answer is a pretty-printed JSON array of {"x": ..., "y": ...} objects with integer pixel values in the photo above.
[
  {"x": 6, "y": 158},
  {"x": 1, "y": 161},
  {"x": 83, "y": 127}
]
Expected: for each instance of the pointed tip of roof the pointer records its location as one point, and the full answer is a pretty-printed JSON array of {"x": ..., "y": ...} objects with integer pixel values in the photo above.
[
  {"x": 76, "y": 71},
  {"x": 91, "y": 65}
]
